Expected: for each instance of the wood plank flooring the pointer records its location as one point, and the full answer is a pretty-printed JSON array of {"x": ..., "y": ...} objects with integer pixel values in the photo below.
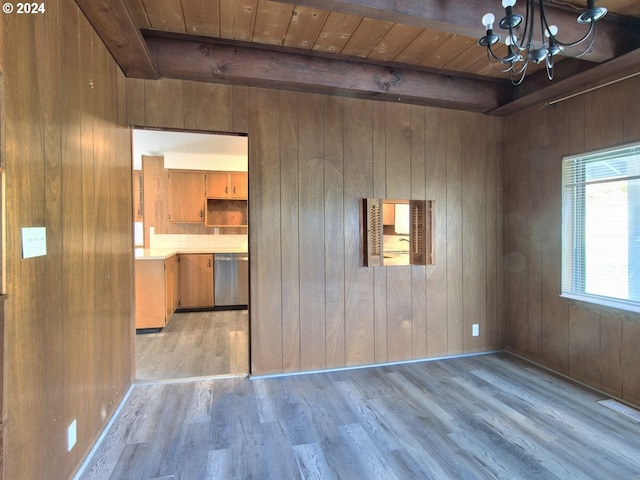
[
  {"x": 483, "y": 417},
  {"x": 195, "y": 344}
]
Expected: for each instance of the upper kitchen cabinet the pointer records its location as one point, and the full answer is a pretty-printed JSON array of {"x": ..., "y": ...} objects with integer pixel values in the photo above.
[
  {"x": 186, "y": 196},
  {"x": 227, "y": 185}
]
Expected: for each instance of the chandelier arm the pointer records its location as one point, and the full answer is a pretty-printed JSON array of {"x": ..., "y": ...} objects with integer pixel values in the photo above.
[
  {"x": 518, "y": 77},
  {"x": 586, "y": 50},
  {"x": 548, "y": 64},
  {"x": 591, "y": 31},
  {"x": 527, "y": 34},
  {"x": 544, "y": 26},
  {"x": 493, "y": 63},
  {"x": 505, "y": 60}
]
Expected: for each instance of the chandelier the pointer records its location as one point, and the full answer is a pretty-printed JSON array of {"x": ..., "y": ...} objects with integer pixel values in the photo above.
[{"x": 524, "y": 49}]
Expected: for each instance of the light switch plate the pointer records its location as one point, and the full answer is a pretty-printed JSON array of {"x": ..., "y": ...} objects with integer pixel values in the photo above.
[
  {"x": 34, "y": 242},
  {"x": 475, "y": 330}
]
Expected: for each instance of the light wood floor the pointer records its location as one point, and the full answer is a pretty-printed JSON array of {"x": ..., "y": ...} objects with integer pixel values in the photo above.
[
  {"x": 483, "y": 417},
  {"x": 195, "y": 344}
]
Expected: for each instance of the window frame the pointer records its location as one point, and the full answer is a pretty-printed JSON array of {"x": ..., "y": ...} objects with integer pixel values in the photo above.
[
  {"x": 421, "y": 232},
  {"x": 574, "y": 264}
]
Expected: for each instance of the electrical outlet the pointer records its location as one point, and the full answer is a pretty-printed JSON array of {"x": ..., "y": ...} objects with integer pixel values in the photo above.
[
  {"x": 71, "y": 436},
  {"x": 475, "y": 329}
]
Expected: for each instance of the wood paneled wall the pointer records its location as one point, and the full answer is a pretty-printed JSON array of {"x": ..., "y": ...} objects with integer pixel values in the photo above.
[
  {"x": 311, "y": 158},
  {"x": 596, "y": 346},
  {"x": 69, "y": 314}
]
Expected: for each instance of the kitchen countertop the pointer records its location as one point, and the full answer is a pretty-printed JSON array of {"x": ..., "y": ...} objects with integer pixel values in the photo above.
[{"x": 163, "y": 253}]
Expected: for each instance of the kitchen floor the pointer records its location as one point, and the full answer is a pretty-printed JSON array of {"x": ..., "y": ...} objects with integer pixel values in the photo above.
[{"x": 195, "y": 344}]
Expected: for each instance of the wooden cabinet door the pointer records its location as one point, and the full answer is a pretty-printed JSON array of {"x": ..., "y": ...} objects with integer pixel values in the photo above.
[
  {"x": 218, "y": 185},
  {"x": 186, "y": 197},
  {"x": 239, "y": 185},
  {"x": 150, "y": 294},
  {"x": 196, "y": 281},
  {"x": 175, "y": 283},
  {"x": 171, "y": 286}
]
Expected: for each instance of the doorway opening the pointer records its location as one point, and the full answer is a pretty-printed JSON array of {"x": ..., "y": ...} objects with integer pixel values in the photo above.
[{"x": 190, "y": 213}]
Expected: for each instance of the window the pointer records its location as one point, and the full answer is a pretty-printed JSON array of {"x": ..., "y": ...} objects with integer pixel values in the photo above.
[
  {"x": 601, "y": 227},
  {"x": 396, "y": 232}
]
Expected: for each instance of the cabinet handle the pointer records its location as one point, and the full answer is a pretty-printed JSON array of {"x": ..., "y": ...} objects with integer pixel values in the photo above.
[
  {"x": 234, "y": 190},
  {"x": 226, "y": 189},
  {"x": 209, "y": 263},
  {"x": 201, "y": 213}
]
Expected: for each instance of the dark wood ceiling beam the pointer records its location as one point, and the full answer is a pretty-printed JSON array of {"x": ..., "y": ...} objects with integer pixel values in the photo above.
[
  {"x": 113, "y": 21},
  {"x": 210, "y": 60},
  {"x": 620, "y": 68},
  {"x": 463, "y": 17}
]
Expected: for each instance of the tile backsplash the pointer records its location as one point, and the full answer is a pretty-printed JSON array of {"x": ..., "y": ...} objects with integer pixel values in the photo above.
[{"x": 180, "y": 241}]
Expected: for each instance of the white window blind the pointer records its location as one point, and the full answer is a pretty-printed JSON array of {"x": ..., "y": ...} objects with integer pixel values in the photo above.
[{"x": 601, "y": 227}]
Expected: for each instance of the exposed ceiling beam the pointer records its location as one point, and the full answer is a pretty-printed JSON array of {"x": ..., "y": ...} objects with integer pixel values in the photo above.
[
  {"x": 463, "y": 17},
  {"x": 208, "y": 60},
  {"x": 113, "y": 21},
  {"x": 615, "y": 70}
]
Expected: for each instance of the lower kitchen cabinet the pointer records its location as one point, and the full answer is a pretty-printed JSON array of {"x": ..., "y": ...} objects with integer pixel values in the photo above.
[
  {"x": 196, "y": 280},
  {"x": 156, "y": 291},
  {"x": 171, "y": 279}
]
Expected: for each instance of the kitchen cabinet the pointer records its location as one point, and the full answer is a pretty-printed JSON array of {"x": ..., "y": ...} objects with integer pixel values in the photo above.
[
  {"x": 226, "y": 213},
  {"x": 186, "y": 197},
  {"x": 171, "y": 279},
  {"x": 156, "y": 284},
  {"x": 196, "y": 280},
  {"x": 232, "y": 185}
]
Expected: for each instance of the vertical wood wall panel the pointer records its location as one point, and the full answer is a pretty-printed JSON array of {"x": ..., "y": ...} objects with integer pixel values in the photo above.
[
  {"x": 437, "y": 126},
  {"x": 289, "y": 230},
  {"x": 89, "y": 230},
  {"x": 214, "y": 107},
  {"x": 72, "y": 299},
  {"x": 381, "y": 329},
  {"x": 267, "y": 327},
  {"x": 630, "y": 361},
  {"x": 70, "y": 348},
  {"x": 516, "y": 227},
  {"x": 359, "y": 311},
  {"x": 48, "y": 51},
  {"x": 26, "y": 307},
  {"x": 493, "y": 243},
  {"x": 454, "y": 233},
  {"x": 591, "y": 344},
  {"x": 334, "y": 230},
  {"x": 474, "y": 257},
  {"x": 311, "y": 159},
  {"x": 418, "y": 273},
  {"x": 555, "y": 334},
  {"x": 311, "y": 232}
]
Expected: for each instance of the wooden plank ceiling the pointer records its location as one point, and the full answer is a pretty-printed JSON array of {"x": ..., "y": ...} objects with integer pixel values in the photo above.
[{"x": 416, "y": 51}]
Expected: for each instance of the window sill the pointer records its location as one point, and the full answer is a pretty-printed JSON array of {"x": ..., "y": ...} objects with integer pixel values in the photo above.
[{"x": 603, "y": 302}]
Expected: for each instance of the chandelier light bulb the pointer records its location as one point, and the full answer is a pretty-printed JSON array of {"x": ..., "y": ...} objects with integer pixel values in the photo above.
[
  {"x": 511, "y": 40},
  {"x": 488, "y": 20},
  {"x": 508, "y": 3},
  {"x": 552, "y": 31}
]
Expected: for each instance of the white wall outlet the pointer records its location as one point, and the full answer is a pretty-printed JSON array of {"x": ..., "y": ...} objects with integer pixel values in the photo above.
[
  {"x": 71, "y": 436},
  {"x": 475, "y": 329}
]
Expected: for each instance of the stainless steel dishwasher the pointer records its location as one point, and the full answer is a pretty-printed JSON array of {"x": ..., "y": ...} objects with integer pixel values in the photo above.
[{"x": 231, "y": 280}]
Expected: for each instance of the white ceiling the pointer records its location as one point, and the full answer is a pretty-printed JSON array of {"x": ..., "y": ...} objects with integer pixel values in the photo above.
[{"x": 158, "y": 142}]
